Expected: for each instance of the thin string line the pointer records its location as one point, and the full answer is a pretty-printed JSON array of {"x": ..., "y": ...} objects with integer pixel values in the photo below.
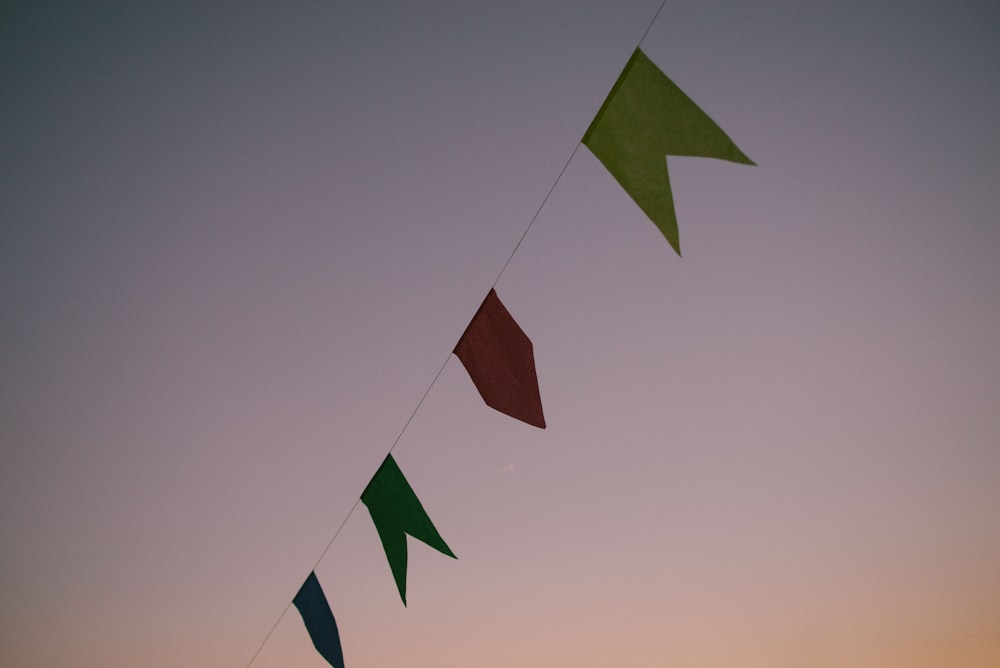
[
  {"x": 351, "y": 511},
  {"x": 533, "y": 218},
  {"x": 649, "y": 27},
  {"x": 325, "y": 550},
  {"x": 446, "y": 359},
  {"x": 565, "y": 166}
]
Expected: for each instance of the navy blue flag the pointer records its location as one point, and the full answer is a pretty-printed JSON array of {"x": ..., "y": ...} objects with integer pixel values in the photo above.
[{"x": 319, "y": 621}]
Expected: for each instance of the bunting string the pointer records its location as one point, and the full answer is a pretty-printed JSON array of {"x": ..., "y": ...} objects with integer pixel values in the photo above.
[
  {"x": 311, "y": 584},
  {"x": 562, "y": 171}
]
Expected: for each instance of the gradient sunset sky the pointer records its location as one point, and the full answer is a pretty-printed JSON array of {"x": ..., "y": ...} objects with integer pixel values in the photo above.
[{"x": 237, "y": 242}]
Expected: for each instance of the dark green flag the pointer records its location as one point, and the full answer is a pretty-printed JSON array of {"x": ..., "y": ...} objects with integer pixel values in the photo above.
[
  {"x": 646, "y": 118},
  {"x": 396, "y": 512}
]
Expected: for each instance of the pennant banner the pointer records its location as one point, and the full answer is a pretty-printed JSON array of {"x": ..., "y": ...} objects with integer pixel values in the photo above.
[
  {"x": 645, "y": 118},
  {"x": 501, "y": 362},
  {"x": 396, "y": 511},
  {"x": 319, "y": 621}
]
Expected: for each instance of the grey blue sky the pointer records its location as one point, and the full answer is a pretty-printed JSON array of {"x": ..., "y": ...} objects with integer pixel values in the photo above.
[{"x": 237, "y": 241}]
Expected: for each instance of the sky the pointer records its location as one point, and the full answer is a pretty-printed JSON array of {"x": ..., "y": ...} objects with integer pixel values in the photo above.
[{"x": 238, "y": 242}]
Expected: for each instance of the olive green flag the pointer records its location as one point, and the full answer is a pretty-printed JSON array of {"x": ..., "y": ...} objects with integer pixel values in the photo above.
[
  {"x": 645, "y": 118},
  {"x": 396, "y": 511}
]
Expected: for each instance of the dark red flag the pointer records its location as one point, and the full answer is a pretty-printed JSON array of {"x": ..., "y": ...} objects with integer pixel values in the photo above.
[{"x": 501, "y": 362}]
